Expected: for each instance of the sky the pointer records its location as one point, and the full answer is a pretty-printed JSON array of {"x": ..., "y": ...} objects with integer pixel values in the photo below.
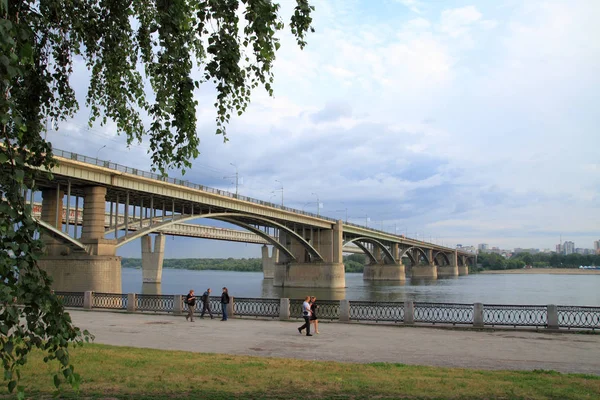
[{"x": 452, "y": 121}]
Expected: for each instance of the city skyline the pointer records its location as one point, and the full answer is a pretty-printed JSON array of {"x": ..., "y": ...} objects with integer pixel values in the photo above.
[{"x": 444, "y": 120}]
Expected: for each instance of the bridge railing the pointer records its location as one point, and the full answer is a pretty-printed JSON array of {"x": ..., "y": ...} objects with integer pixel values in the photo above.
[
  {"x": 478, "y": 315},
  {"x": 182, "y": 182}
]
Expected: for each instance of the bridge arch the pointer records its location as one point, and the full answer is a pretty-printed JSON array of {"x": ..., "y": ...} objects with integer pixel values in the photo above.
[
  {"x": 230, "y": 218},
  {"x": 386, "y": 252},
  {"x": 411, "y": 257},
  {"x": 444, "y": 256}
]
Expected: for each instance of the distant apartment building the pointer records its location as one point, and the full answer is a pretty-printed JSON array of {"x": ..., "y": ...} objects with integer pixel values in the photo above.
[
  {"x": 559, "y": 249},
  {"x": 483, "y": 246},
  {"x": 597, "y": 246},
  {"x": 568, "y": 248},
  {"x": 581, "y": 251}
]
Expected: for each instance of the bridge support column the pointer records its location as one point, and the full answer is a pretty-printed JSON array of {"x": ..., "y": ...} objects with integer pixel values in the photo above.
[
  {"x": 328, "y": 273},
  {"x": 269, "y": 262},
  {"x": 449, "y": 270},
  {"x": 99, "y": 270},
  {"x": 464, "y": 268},
  {"x": 424, "y": 272},
  {"x": 52, "y": 205},
  {"x": 384, "y": 272},
  {"x": 152, "y": 258}
]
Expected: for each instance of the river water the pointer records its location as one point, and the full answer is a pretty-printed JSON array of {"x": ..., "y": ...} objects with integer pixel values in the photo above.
[{"x": 489, "y": 289}]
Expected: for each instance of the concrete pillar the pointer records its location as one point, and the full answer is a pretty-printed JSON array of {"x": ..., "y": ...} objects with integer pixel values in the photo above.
[
  {"x": 51, "y": 203},
  {"x": 449, "y": 270},
  {"x": 88, "y": 300},
  {"x": 344, "y": 310},
  {"x": 478, "y": 315},
  {"x": 463, "y": 270},
  {"x": 328, "y": 273},
  {"x": 97, "y": 270},
  {"x": 152, "y": 258},
  {"x": 284, "y": 309},
  {"x": 409, "y": 312},
  {"x": 269, "y": 262},
  {"x": 131, "y": 302},
  {"x": 552, "y": 317},
  {"x": 177, "y": 304},
  {"x": 377, "y": 254},
  {"x": 424, "y": 272},
  {"x": 94, "y": 210},
  {"x": 385, "y": 272},
  {"x": 230, "y": 307},
  {"x": 396, "y": 253}
]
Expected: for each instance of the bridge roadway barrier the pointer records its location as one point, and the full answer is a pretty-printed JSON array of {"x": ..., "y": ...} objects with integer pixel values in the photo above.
[{"x": 478, "y": 315}]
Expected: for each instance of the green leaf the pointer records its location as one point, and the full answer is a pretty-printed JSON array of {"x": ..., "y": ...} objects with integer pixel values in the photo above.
[{"x": 11, "y": 386}]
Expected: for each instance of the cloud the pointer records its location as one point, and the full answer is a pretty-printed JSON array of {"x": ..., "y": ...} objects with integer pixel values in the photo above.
[{"x": 473, "y": 124}]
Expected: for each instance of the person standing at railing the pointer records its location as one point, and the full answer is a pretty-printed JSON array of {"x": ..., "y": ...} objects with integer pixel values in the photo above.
[
  {"x": 313, "y": 316},
  {"x": 224, "y": 303},
  {"x": 306, "y": 313},
  {"x": 206, "y": 304},
  {"x": 190, "y": 300}
]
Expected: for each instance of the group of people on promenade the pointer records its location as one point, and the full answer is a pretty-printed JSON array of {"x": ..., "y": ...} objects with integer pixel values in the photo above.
[
  {"x": 309, "y": 313},
  {"x": 191, "y": 298}
]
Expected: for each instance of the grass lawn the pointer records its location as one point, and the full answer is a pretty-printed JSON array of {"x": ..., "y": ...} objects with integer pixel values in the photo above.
[{"x": 110, "y": 372}]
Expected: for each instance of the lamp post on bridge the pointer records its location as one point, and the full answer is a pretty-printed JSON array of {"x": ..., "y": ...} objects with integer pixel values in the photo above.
[
  {"x": 98, "y": 152},
  {"x": 276, "y": 180},
  {"x": 318, "y": 203},
  {"x": 236, "y": 178}
]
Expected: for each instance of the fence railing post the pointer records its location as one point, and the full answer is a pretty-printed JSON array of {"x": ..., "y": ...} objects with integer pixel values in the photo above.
[
  {"x": 177, "y": 304},
  {"x": 88, "y": 300},
  {"x": 478, "y": 315},
  {"x": 552, "y": 317},
  {"x": 344, "y": 310},
  {"x": 409, "y": 312},
  {"x": 131, "y": 302},
  {"x": 284, "y": 309},
  {"x": 230, "y": 307}
]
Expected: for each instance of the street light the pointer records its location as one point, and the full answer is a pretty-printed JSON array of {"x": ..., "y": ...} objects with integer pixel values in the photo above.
[
  {"x": 99, "y": 151},
  {"x": 281, "y": 191},
  {"x": 236, "y": 178},
  {"x": 318, "y": 204},
  {"x": 344, "y": 210}
]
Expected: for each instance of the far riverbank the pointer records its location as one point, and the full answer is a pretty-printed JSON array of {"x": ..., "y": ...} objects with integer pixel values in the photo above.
[{"x": 551, "y": 271}]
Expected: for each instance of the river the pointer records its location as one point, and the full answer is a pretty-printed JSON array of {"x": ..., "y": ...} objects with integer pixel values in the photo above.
[{"x": 489, "y": 289}]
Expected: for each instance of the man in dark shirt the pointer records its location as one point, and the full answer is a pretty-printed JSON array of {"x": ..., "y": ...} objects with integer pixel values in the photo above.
[
  {"x": 206, "y": 304},
  {"x": 190, "y": 299}
]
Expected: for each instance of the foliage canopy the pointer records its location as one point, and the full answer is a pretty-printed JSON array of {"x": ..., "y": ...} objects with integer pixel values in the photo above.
[{"x": 143, "y": 57}]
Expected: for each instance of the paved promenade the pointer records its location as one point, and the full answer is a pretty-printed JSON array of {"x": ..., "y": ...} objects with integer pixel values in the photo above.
[{"x": 349, "y": 342}]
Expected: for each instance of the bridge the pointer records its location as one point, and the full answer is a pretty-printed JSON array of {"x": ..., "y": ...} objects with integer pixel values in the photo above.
[{"x": 81, "y": 253}]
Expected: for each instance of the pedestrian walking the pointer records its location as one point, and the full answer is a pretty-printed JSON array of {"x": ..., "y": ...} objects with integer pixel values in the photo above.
[
  {"x": 313, "y": 316},
  {"x": 206, "y": 304},
  {"x": 306, "y": 315},
  {"x": 224, "y": 303},
  {"x": 190, "y": 300}
]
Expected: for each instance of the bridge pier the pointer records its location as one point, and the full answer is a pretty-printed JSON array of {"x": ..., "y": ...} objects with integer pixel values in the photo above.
[
  {"x": 386, "y": 272},
  {"x": 463, "y": 270},
  {"x": 424, "y": 271},
  {"x": 97, "y": 270},
  {"x": 269, "y": 262},
  {"x": 304, "y": 272},
  {"x": 152, "y": 258},
  {"x": 449, "y": 270}
]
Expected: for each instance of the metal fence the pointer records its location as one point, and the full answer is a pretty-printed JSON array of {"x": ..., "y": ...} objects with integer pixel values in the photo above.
[
  {"x": 376, "y": 311},
  {"x": 110, "y": 300},
  {"x": 578, "y": 317},
  {"x": 155, "y": 302},
  {"x": 478, "y": 315},
  {"x": 512, "y": 315},
  {"x": 250, "y": 307},
  {"x": 436, "y": 313},
  {"x": 71, "y": 299}
]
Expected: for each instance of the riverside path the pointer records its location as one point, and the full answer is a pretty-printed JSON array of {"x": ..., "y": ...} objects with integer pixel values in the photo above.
[{"x": 357, "y": 343}]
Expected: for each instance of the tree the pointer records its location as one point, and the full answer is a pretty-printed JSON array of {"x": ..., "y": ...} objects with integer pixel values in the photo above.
[{"x": 168, "y": 41}]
